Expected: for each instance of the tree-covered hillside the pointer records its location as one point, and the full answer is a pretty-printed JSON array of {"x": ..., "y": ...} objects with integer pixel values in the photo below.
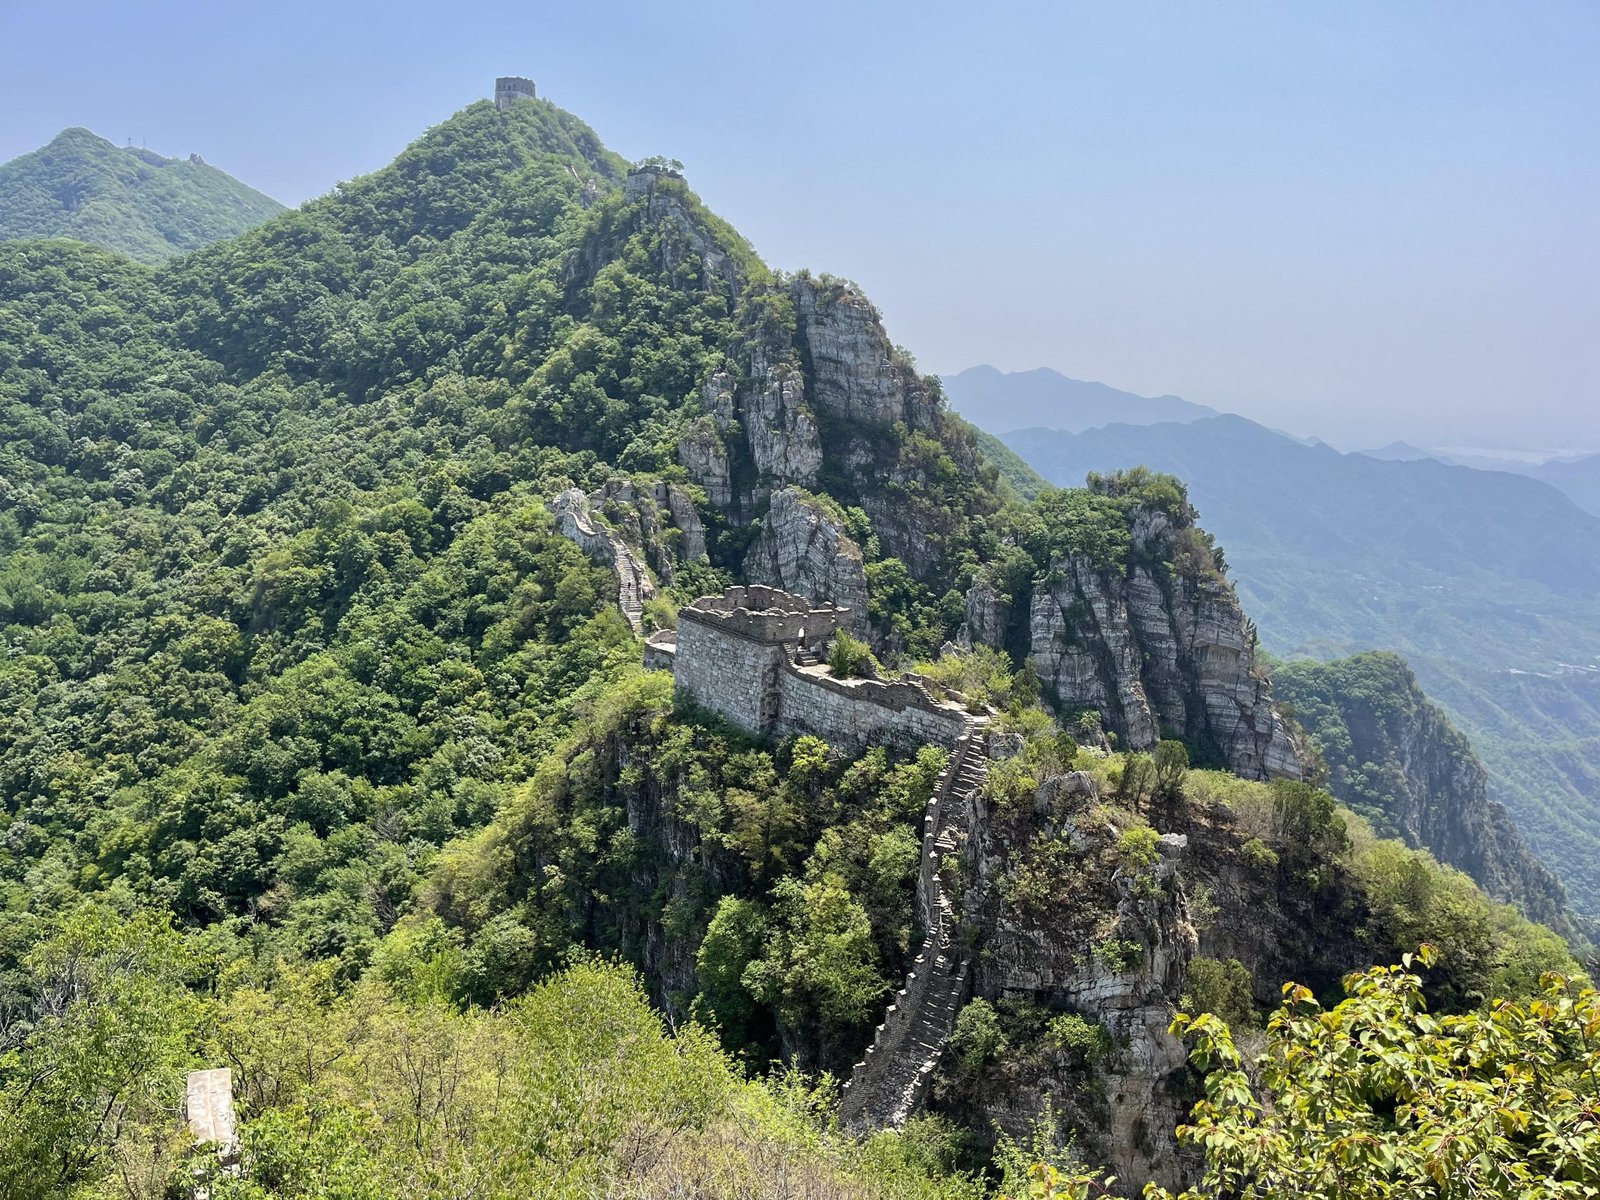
[
  {"x": 148, "y": 207},
  {"x": 1394, "y": 757},
  {"x": 285, "y": 607},
  {"x": 325, "y": 755}
]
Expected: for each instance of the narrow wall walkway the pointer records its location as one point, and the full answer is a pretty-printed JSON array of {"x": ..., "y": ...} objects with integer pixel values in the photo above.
[{"x": 889, "y": 1085}]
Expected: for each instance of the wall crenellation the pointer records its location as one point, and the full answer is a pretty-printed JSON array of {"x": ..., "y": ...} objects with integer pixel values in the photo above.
[
  {"x": 508, "y": 89},
  {"x": 766, "y": 614}
]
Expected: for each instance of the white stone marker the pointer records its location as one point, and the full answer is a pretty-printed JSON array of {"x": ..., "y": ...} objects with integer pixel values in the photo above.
[{"x": 209, "y": 1109}]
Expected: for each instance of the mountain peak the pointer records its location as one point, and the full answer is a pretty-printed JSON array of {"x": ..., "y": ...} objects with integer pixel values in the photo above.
[
  {"x": 1004, "y": 401},
  {"x": 134, "y": 200}
]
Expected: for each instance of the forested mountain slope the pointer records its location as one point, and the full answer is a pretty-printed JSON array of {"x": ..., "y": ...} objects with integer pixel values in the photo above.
[
  {"x": 285, "y": 605},
  {"x": 148, "y": 207},
  {"x": 326, "y": 754},
  {"x": 1488, "y": 583},
  {"x": 1394, "y": 757}
]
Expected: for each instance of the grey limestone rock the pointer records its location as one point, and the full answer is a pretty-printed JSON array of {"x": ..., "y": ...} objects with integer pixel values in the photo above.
[
  {"x": 987, "y": 614},
  {"x": 1154, "y": 654},
  {"x": 802, "y": 549},
  {"x": 1004, "y": 745},
  {"x": 702, "y": 453},
  {"x": 665, "y": 199},
  {"x": 1065, "y": 794},
  {"x": 1126, "y": 1118},
  {"x": 855, "y": 375},
  {"x": 779, "y": 428},
  {"x": 686, "y": 518}
]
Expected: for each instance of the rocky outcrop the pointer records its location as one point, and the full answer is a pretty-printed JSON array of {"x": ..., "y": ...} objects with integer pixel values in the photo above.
[
  {"x": 1159, "y": 653},
  {"x": 1395, "y": 757},
  {"x": 802, "y": 549},
  {"x": 685, "y": 518},
  {"x": 667, "y": 206},
  {"x": 781, "y": 432},
  {"x": 814, "y": 368},
  {"x": 855, "y": 376},
  {"x": 703, "y": 453},
  {"x": 763, "y": 423},
  {"x": 988, "y": 615},
  {"x": 1103, "y": 935}
]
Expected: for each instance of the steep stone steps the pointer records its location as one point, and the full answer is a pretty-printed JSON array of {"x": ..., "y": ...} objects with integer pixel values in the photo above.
[
  {"x": 888, "y": 1086},
  {"x": 577, "y": 521}
]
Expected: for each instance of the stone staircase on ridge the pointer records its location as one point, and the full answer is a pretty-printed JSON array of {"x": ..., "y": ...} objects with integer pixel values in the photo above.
[{"x": 888, "y": 1086}]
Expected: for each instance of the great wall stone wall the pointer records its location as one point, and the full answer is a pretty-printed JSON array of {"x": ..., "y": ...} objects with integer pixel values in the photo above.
[
  {"x": 752, "y": 655},
  {"x": 643, "y": 534},
  {"x": 888, "y": 1086}
]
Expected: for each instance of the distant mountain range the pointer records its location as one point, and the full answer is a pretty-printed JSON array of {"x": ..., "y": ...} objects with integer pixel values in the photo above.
[
  {"x": 1578, "y": 478},
  {"x": 1002, "y": 401},
  {"x": 1399, "y": 452},
  {"x": 1488, "y": 582},
  {"x": 133, "y": 200}
]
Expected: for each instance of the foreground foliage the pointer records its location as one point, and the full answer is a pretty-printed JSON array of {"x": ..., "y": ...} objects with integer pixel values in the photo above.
[
  {"x": 575, "y": 1089},
  {"x": 1378, "y": 1098}
]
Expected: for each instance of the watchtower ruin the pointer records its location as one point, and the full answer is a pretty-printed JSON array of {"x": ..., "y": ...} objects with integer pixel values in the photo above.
[
  {"x": 754, "y": 656},
  {"x": 510, "y": 88}
]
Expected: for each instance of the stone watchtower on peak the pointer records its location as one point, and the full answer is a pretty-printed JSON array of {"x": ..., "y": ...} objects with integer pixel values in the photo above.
[{"x": 510, "y": 88}]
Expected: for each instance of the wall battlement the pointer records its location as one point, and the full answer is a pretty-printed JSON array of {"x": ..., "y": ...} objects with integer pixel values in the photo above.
[
  {"x": 752, "y": 656},
  {"x": 510, "y": 88},
  {"x": 765, "y": 614}
]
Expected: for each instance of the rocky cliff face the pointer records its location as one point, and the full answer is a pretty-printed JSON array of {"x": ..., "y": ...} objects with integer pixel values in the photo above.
[
  {"x": 1395, "y": 757},
  {"x": 856, "y": 378},
  {"x": 665, "y": 208},
  {"x": 805, "y": 550},
  {"x": 815, "y": 395},
  {"x": 1159, "y": 652},
  {"x": 1076, "y": 926}
]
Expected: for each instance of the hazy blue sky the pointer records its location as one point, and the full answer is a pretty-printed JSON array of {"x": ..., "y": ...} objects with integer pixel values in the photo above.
[{"x": 1367, "y": 220}]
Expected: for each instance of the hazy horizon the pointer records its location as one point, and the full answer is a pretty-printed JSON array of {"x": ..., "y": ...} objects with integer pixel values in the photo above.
[
  {"x": 1531, "y": 454},
  {"x": 1371, "y": 224}
]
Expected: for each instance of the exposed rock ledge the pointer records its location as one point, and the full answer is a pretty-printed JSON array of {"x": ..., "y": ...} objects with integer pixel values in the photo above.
[{"x": 802, "y": 549}]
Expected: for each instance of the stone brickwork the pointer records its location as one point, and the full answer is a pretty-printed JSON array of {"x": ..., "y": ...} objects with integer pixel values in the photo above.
[
  {"x": 899, "y": 714},
  {"x": 753, "y": 656},
  {"x": 892, "y": 1081},
  {"x": 730, "y": 674},
  {"x": 508, "y": 89}
]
